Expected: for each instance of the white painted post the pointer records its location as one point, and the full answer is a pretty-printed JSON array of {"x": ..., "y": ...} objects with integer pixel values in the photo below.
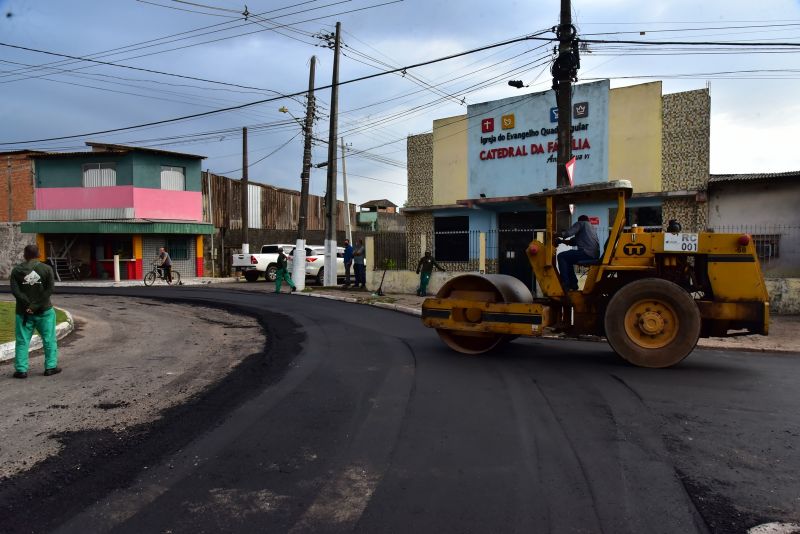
[
  {"x": 299, "y": 265},
  {"x": 482, "y": 252},
  {"x": 116, "y": 267},
  {"x": 422, "y": 245},
  {"x": 369, "y": 260}
]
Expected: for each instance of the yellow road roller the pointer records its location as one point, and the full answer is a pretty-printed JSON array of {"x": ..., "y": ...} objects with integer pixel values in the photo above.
[{"x": 652, "y": 295}]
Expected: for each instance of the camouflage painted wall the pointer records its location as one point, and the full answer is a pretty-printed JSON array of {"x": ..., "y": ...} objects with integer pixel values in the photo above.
[
  {"x": 420, "y": 170},
  {"x": 685, "y": 155},
  {"x": 686, "y": 141}
]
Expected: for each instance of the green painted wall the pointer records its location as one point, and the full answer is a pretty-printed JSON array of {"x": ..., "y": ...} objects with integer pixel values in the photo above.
[
  {"x": 133, "y": 168},
  {"x": 68, "y": 172},
  {"x": 147, "y": 170}
]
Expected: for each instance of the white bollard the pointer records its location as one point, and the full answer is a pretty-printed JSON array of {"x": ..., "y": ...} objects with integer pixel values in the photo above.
[
  {"x": 116, "y": 267},
  {"x": 299, "y": 265}
]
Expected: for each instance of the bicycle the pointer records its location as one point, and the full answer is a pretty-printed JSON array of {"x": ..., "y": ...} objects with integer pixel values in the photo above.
[{"x": 158, "y": 273}]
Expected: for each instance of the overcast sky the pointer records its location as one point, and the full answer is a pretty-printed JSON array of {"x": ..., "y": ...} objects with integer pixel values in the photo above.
[{"x": 754, "y": 122}]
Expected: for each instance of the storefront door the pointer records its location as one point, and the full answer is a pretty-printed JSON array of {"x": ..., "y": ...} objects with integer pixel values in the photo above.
[{"x": 516, "y": 231}]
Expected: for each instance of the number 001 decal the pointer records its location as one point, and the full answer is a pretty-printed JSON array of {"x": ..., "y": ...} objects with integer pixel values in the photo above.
[{"x": 680, "y": 242}]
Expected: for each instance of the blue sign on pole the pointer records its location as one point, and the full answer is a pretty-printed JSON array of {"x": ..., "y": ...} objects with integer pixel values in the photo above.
[{"x": 553, "y": 114}]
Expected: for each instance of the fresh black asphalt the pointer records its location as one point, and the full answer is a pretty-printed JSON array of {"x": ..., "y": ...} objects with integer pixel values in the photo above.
[{"x": 358, "y": 419}]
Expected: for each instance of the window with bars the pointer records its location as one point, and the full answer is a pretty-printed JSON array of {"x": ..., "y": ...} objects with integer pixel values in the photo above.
[
  {"x": 178, "y": 249},
  {"x": 451, "y": 238},
  {"x": 173, "y": 178},
  {"x": 99, "y": 174},
  {"x": 767, "y": 246}
]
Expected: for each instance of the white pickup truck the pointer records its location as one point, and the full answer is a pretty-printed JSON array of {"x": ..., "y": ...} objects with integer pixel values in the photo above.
[{"x": 265, "y": 263}]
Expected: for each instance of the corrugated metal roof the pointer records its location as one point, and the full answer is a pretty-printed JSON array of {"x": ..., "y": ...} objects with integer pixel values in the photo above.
[
  {"x": 716, "y": 178},
  {"x": 84, "y": 153},
  {"x": 115, "y": 227},
  {"x": 106, "y": 147}
]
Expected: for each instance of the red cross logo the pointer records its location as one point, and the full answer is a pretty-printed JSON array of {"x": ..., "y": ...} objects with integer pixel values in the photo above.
[{"x": 487, "y": 125}]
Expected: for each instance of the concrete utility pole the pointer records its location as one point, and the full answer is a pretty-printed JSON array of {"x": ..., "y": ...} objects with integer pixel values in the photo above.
[
  {"x": 330, "y": 212},
  {"x": 245, "y": 203},
  {"x": 299, "y": 258},
  {"x": 565, "y": 70},
  {"x": 348, "y": 228}
]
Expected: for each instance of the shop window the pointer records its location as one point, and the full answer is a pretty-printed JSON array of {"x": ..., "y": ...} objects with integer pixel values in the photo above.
[
  {"x": 99, "y": 174},
  {"x": 123, "y": 247},
  {"x": 451, "y": 238},
  {"x": 646, "y": 216},
  {"x": 173, "y": 178},
  {"x": 767, "y": 246},
  {"x": 178, "y": 249}
]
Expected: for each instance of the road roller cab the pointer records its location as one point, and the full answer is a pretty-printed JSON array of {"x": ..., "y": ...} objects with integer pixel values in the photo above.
[{"x": 651, "y": 294}]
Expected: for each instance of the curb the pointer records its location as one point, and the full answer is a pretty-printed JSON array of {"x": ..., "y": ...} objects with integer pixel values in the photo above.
[
  {"x": 418, "y": 313},
  {"x": 386, "y": 305},
  {"x": 63, "y": 329},
  {"x": 137, "y": 283}
]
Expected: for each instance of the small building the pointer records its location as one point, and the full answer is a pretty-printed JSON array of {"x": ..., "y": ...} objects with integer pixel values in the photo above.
[
  {"x": 16, "y": 194},
  {"x": 763, "y": 205},
  {"x": 118, "y": 200},
  {"x": 381, "y": 216}
]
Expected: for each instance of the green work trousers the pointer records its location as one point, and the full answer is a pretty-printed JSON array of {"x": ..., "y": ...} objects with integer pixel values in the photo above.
[
  {"x": 424, "y": 278},
  {"x": 280, "y": 276},
  {"x": 45, "y": 324}
]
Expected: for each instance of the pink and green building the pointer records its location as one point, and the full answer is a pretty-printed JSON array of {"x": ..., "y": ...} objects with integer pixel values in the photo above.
[{"x": 119, "y": 200}]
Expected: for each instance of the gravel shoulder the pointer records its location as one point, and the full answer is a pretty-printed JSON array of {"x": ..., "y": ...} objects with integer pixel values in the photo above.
[{"x": 127, "y": 361}]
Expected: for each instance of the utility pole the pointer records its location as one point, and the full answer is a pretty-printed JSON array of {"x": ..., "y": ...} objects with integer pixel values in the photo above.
[
  {"x": 565, "y": 70},
  {"x": 330, "y": 213},
  {"x": 245, "y": 204},
  {"x": 299, "y": 258},
  {"x": 348, "y": 228}
]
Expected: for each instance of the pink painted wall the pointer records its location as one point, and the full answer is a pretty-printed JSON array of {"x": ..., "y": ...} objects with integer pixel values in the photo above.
[
  {"x": 75, "y": 198},
  {"x": 147, "y": 203},
  {"x": 171, "y": 205}
]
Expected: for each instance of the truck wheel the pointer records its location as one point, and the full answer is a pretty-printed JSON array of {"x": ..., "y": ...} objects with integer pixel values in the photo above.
[
  {"x": 652, "y": 323},
  {"x": 321, "y": 276},
  {"x": 272, "y": 273},
  {"x": 251, "y": 276}
]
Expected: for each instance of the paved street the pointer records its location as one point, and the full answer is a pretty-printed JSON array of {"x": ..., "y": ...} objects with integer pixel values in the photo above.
[{"x": 374, "y": 426}]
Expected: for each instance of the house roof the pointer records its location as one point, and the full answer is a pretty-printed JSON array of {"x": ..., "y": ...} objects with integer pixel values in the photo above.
[
  {"x": 106, "y": 148},
  {"x": 759, "y": 176},
  {"x": 382, "y": 203}
]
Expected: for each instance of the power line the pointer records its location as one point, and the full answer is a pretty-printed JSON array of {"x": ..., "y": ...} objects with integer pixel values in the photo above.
[
  {"x": 272, "y": 99},
  {"x": 265, "y": 157}
]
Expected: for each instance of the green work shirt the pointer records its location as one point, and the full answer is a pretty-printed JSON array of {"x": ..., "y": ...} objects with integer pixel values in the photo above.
[
  {"x": 426, "y": 264},
  {"x": 32, "y": 283}
]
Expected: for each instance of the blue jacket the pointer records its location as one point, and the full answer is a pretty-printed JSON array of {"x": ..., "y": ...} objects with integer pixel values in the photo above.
[{"x": 348, "y": 254}]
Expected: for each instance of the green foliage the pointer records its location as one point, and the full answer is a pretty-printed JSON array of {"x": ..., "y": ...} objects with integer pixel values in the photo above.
[{"x": 7, "y": 312}]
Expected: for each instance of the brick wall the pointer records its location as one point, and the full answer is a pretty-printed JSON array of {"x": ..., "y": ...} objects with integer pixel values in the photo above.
[{"x": 16, "y": 171}]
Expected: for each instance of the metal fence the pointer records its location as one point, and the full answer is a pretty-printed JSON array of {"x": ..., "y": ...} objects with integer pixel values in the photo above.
[{"x": 778, "y": 246}]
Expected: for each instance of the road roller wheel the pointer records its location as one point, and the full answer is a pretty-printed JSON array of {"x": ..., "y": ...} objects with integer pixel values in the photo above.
[
  {"x": 652, "y": 323},
  {"x": 472, "y": 343}
]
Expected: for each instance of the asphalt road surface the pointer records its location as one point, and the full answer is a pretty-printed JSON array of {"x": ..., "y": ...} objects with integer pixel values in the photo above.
[{"x": 358, "y": 419}]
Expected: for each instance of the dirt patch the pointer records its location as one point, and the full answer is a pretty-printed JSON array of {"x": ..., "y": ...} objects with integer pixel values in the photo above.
[
  {"x": 123, "y": 366},
  {"x": 90, "y": 463}
]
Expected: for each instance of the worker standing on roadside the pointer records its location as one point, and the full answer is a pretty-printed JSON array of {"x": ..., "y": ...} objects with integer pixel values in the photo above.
[
  {"x": 348, "y": 261},
  {"x": 32, "y": 283},
  {"x": 283, "y": 273},
  {"x": 425, "y": 270},
  {"x": 359, "y": 265}
]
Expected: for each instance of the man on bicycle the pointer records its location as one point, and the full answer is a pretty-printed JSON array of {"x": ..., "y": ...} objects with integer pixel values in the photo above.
[{"x": 165, "y": 262}]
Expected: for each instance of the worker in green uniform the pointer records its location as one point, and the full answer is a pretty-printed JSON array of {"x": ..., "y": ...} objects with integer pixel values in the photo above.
[
  {"x": 32, "y": 284},
  {"x": 283, "y": 273},
  {"x": 424, "y": 270}
]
